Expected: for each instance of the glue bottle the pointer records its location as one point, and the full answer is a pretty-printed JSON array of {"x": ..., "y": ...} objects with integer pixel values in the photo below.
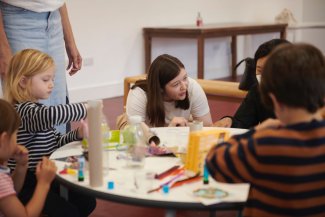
[
  {"x": 199, "y": 20},
  {"x": 81, "y": 169}
]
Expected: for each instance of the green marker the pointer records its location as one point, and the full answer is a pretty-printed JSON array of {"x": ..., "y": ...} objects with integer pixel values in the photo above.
[{"x": 205, "y": 175}]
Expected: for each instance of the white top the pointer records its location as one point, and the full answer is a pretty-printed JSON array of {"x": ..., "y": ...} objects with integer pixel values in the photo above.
[
  {"x": 137, "y": 101},
  {"x": 36, "y": 5}
]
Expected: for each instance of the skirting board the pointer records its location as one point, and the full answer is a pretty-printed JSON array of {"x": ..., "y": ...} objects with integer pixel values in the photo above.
[{"x": 82, "y": 94}]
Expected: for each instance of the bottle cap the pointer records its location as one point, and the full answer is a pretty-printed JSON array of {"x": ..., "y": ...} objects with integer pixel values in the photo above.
[
  {"x": 81, "y": 177},
  {"x": 165, "y": 189},
  {"x": 110, "y": 185},
  {"x": 135, "y": 119}
]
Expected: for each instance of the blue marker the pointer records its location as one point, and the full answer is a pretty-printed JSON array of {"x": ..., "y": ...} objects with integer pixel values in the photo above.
[
  {"x": 205, "y": 175},
  {"x": 81, "y": 169}
]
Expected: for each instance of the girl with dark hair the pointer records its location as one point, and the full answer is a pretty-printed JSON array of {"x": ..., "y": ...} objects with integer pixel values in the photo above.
[
  {"x": 251, "y": 112},
  {"x": 11, "y": 184},
  {"x": 168, "y": 97}
]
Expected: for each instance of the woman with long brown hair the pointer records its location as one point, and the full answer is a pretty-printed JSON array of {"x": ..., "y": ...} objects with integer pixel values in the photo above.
[{"x": 168, "y": 97}]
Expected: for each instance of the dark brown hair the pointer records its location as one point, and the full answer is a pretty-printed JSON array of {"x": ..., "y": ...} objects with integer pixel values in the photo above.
[
  {"x": 162, "y": 70},
  {"x": 265, "y": 49},
  {"x": 9, "y": 118},
  {"x": 295, "y": 74}
]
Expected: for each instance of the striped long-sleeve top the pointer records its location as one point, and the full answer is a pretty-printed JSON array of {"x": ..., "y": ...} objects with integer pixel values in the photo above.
[
  {"x": 37, "y": 132},
  {"x": 285, "y": 167}
]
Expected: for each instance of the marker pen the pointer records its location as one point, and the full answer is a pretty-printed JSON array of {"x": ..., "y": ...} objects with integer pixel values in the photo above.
[{"x": 205, "y": 175}]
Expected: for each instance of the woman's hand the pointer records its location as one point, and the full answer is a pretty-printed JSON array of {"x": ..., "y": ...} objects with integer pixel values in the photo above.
[
  {"x": 178, "y": 122},
  {"x": 224, "y": 122}
]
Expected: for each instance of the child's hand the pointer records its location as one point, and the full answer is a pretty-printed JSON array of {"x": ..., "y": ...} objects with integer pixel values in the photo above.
[
  {"x": 21, "y": 155},
  {"x": 224, "y": 122},
  {"x": 83, "y": 130},
  {"x": 45, "y": 171},
  {"x": 269, "y": 123}
]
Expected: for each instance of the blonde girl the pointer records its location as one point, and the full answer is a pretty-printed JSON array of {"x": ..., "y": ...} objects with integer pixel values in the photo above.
[{"x": 30, "y": 79}]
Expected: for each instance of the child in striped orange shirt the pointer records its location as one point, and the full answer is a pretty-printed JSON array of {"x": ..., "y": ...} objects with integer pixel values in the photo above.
[{"x": 283, "y": 159}]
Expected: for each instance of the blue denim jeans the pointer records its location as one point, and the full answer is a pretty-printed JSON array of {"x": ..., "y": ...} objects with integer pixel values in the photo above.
[{"x": 42, "y": 31}]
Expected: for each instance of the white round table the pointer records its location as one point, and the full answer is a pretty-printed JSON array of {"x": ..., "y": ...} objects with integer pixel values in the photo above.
[{"x": 123, "y": 177}]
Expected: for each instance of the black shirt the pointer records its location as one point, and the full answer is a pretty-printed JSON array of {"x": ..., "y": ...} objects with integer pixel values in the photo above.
[{"x": 251, "y": 111}]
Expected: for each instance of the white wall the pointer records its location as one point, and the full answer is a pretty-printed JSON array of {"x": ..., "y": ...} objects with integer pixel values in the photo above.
[
  {"x": 109, "y": 37},
  {"x": 312, "y": 15}
]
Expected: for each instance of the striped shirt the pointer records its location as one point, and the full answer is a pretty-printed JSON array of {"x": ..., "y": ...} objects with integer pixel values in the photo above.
[
  {"x": 37, "y": 132},
  {"x": 285, "y": 167},
  {"x": 6, "y": 187}
]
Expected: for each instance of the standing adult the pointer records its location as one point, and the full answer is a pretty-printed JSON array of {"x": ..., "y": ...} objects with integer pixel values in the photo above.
[{"x": 42, "y": 25}]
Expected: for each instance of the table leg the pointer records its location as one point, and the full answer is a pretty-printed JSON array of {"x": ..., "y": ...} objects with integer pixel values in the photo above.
[
  {"x": 200, "y": 57},
  {"x": 147, "y": 51},
  {"x": 283, "y": 33},
  {"x": 233, "y": 57},
  {"x": 212, "y": 213},
  {"x": 170, "y": 213}
]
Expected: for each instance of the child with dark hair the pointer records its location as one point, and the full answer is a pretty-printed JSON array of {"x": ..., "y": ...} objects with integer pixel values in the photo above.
[
  {"x": 10, "y": 205},
  {"x": 282, "y": 160},
  {"x": 251, "y": 111}
]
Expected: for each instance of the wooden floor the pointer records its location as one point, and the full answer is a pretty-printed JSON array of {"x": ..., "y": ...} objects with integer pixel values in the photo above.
[
  {"x": 114, "y": 107},
  {"x": 109, "y": 209}
]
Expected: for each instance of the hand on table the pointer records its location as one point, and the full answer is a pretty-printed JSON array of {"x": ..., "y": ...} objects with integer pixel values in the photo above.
[
  {"x": 224, "y": 122},
  {"x": 178, "y": 122},
  {"x": 269, "y": 123}
]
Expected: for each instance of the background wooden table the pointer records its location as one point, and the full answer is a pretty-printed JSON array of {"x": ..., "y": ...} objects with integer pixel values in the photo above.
[{"x": 209, "y": 31}]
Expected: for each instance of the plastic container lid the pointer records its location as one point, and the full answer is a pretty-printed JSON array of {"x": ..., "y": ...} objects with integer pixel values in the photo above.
[
  {"x": 135, "y": 119},
  {"x": 165, "y": 189}
]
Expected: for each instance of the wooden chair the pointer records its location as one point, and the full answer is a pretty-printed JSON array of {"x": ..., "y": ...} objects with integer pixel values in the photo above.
[{"x": 128, "y": 82}]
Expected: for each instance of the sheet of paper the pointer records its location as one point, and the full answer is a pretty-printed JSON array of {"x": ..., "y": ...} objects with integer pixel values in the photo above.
[
  {"x": 72, "y": 149},
  {"x": 235, "y": 193}
]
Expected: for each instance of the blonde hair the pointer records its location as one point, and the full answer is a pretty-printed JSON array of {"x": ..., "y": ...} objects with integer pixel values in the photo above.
[{"x": 24, "y": 64}]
